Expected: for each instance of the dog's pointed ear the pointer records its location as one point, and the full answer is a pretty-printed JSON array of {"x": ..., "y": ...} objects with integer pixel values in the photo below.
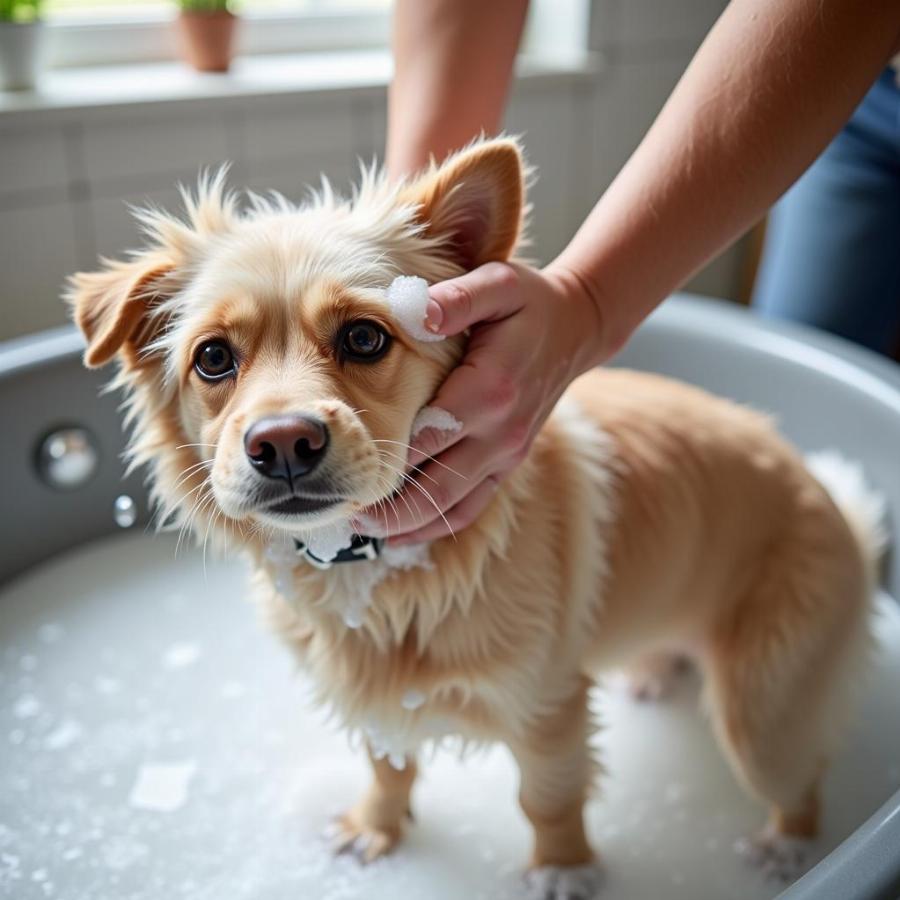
[
  {"x": 112, "y": 307},
  {"x": 474, "y": 202}
]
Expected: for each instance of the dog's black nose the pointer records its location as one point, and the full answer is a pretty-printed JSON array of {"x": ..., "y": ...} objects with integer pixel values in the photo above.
[{"x": 286, "y": 447}]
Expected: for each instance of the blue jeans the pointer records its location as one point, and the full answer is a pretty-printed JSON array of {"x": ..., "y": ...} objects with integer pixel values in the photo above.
[{"x": 832, "y": 251}]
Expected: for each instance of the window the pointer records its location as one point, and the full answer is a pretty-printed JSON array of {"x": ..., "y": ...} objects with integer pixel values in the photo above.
[
  {"x": 75, "y": 10},
  {"x": 88, "y": 32}
]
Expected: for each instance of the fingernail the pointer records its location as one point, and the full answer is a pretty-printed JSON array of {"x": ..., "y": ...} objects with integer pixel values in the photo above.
[{"x": 434, "y": 315}]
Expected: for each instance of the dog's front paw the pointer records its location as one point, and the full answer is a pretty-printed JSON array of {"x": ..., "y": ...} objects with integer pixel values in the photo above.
[
  {"x": 349, "y": 834},
  {"x": 779, "y": 857},
  {"x": 564, "y": 882}
]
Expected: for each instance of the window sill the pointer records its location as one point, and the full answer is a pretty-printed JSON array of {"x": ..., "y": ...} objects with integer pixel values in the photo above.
[{"x": 98, "y": 91}]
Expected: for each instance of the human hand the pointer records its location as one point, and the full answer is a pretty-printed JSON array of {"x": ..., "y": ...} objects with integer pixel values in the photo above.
[{"x": 532, "y": 332}]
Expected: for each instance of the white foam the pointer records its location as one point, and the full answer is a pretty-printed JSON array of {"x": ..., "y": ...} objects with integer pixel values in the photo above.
[
  {"x": 162, "y": 787},
  {"x": 412, "y": 699},
  {"x": 385, "y": 745},
  {"x": 777, "y": 856},
  {"x": 326, "y": 542},
  {"x": 233, "y": 690},
  {"x": 462, "y": 806},
  {"x": 26, "y": 707},
  {"x": 565, "y": 882},
  {"x": 360, "y": 579},
  {"x": 103, "y": 684},
  {"x": 407, "y": 298},
  {"x": 863, "y": 507},
  {"x": 64, "y": 735},
  {"x": 354, "y": 612},
  {"x": 181, "y": 655},
  {"x": 121, "y": 852},
  {"x": 407, "y": 556},
  {"x": 437, "y": 418}
]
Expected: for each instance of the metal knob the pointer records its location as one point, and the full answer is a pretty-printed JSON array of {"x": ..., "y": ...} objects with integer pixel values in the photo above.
[{"x": 68, "y": 458}]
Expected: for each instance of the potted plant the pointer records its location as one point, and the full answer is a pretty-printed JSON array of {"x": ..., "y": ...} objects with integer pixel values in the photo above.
[
  {"x": 207, "y": 33},
  {"x": 21, "y": 32}
]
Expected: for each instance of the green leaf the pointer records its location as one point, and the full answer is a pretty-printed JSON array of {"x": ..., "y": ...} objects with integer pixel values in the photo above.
[{"x": 20, "y": 10}]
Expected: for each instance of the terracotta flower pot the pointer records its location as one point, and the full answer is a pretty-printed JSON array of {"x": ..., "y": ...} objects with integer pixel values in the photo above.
[{"x": 207, "y": 39}]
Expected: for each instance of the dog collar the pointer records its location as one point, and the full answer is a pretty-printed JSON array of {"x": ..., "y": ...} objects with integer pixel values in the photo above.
[{"x": 361, "y": 548}]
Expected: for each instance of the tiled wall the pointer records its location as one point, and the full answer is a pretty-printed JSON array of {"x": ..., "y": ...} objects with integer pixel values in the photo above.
[{"x": 66, "y": 180}]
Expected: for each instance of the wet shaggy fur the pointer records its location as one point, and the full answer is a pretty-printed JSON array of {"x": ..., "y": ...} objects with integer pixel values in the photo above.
[{"x": 649, "y": 518}]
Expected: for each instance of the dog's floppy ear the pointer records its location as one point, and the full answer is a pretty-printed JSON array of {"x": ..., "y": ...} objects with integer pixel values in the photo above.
[
  {"x": 112, "y": 306},
  {"x": 474, "y": 202}
]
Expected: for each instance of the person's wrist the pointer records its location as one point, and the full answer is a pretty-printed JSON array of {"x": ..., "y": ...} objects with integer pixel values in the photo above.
[{"x": 583, "y": 307}]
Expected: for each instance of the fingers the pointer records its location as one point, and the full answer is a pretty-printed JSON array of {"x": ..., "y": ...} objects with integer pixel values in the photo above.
[
  {"x": 459, "y": 517},
  {"x": 460, "y": 396},
  {"x": 486, "y": 294},
  {"x": 479, "y": 393},
  {"x": 428, "y": 494}
]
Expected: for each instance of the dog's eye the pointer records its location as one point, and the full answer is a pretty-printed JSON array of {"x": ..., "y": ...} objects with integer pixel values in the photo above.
[
  {"x": 214, "y": 361},
  {"x": 364, "y": 341}
]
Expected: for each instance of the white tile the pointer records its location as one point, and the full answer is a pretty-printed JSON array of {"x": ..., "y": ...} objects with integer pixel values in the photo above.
[
  {"x": 370, "y": 127},
  {"x": 114, "y": 225},
  {"x": 625, "y": 105},
  {"x": 120, "y": 148},
  {"x": 293, "y": 177},
  {"x": 32, "y": 160},
  {"x": 549, "y": 130},
  {"x": 721, "y": 277},
  {"x": 665, "y": 20},
  {"x": 636, "y": 22},
  {"x": 312, "y": 127},
  {"x": 37, "y": 253}
]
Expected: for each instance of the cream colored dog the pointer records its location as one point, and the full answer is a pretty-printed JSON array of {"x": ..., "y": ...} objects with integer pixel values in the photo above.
[{"x": 272, "y": 394}]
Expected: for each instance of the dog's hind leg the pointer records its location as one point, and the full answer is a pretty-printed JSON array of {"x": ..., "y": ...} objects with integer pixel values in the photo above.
[
  {"x": 374, "y": 826},
  {"x": 557, "y": 770},
  {"x": 779, "y": 672}
]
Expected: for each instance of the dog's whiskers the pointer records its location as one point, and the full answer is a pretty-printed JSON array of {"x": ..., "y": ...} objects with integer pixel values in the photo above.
[
  {"x": 407, "y": 479},
  {"x": 199, "y": 505},
  {"x": 430, "y": 458},
  {"x": 390, "y": 488},
  {"x": 414, "y": 468},
  {"x": 383, "y": 484},
  {"x": 185, "y": 474},
  {"x": 170, "y": 510}
]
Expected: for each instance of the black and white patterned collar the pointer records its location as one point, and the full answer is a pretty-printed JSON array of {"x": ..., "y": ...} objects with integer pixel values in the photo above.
[{"x": 360, "y": 549}]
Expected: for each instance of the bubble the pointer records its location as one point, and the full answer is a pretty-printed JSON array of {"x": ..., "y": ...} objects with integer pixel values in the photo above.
[{"x": 124, "y": 511}]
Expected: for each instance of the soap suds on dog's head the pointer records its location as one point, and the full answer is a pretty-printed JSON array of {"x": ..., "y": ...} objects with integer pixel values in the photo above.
[
  {"x": 407, "y": 298},
  {"x": 434, "y": 417}
]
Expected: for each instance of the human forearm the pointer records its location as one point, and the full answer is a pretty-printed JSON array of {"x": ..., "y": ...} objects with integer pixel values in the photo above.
[
  {"x": 771, "y": 85},
  {"x": 453, "y": 64}
]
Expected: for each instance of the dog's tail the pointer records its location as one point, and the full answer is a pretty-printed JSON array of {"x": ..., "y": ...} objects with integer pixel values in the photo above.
[{"x": 863, "y": 507}]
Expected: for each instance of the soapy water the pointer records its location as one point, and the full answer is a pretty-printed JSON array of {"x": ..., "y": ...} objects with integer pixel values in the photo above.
[{"x": 156, "y": 741}]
